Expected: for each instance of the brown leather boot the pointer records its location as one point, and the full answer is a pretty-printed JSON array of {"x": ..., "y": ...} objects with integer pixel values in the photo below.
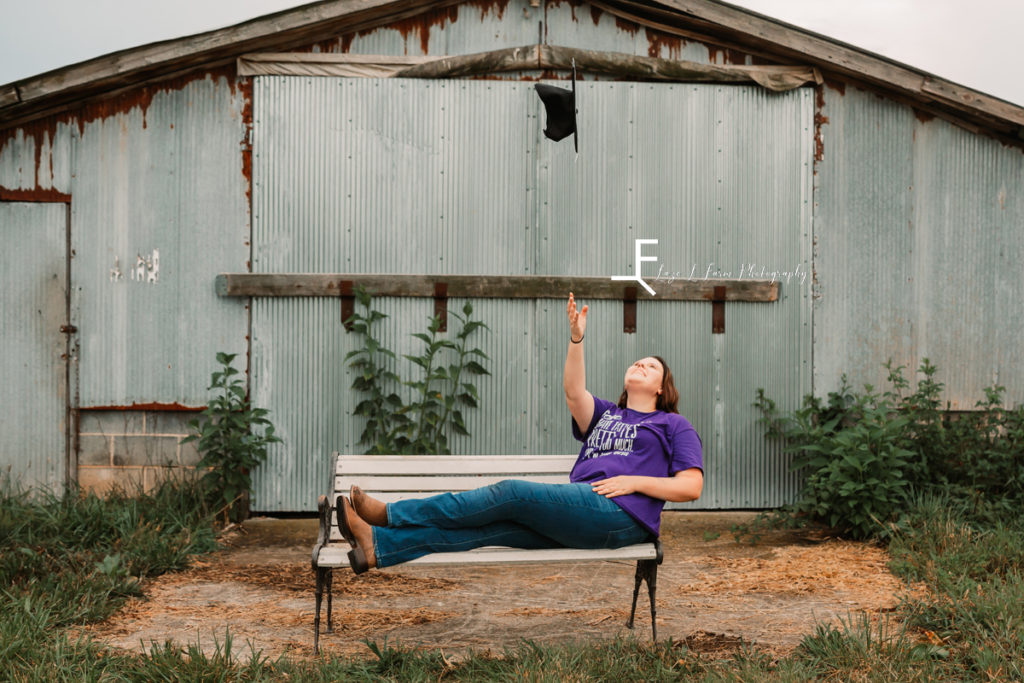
[
  {"x": 358, "y": 534},
  {"x": 370, "y": 509}
]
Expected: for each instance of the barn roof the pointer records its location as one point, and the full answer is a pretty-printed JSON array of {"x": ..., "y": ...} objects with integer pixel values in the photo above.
[{"x": 709, "y": 21}]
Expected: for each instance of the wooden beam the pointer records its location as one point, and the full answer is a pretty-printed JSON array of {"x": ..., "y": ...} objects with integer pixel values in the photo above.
[
  {"x": 537, "y": 57},
  {"x": 492, "y": 286},
  {"x": 8, "y": 95}
]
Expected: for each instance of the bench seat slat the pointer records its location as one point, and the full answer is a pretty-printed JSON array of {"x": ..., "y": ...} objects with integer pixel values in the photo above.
[
  {"x": 337, "y": 555},
  {"x": 439, "y": 483},
  {"x": 421, "y": 465}
]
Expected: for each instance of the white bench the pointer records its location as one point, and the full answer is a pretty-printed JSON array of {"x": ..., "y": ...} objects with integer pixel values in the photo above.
[{"x": 397, "y": 477}]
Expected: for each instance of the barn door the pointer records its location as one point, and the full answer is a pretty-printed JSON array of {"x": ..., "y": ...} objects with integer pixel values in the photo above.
[
  {"x": 33, "y": 308},
  {"x": 358, "y": 175}
]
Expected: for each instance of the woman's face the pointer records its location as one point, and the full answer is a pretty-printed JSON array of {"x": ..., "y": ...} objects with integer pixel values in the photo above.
[{"x": 645, "y": 375}]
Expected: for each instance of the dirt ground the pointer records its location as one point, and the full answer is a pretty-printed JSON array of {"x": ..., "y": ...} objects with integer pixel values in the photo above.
[{"x": 713, "y": 593}]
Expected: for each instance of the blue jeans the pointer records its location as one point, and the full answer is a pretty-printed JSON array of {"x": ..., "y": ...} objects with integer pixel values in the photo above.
[{"x": 514, "y": 513}]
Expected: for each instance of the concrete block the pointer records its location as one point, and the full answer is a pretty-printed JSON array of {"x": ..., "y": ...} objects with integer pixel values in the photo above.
[
  {"x": 110, "y": 422},
  {"x": 94, "y": 450},
  {"x": 169, "y": 422},
  {"x": 102, "y": 480},
  {"x": 189, "y": 454},
  {"x": 144, "y": 450},
  {"x": 154, "y": 476}
]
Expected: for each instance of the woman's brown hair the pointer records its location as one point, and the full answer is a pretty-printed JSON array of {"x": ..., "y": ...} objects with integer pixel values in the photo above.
[{"x": 668, "y": 399}]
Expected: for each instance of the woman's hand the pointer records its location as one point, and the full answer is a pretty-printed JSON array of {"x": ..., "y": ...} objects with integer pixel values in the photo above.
[
  {"x": 681, "y": 487},
  {"x": 616, "y": 486},
  {"x": 577, "y": 319}
]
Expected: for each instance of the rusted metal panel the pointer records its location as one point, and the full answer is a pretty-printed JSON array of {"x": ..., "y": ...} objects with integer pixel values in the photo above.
[
  {"x": 158, "y": 209},
  {"x": 483, "y": 26},
  {"x": 922, "y": 219},
  {"x": 33, "y": 306}
]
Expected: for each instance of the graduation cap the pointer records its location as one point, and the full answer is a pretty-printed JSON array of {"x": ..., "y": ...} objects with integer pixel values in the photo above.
[{"x": 560, "y": 105}]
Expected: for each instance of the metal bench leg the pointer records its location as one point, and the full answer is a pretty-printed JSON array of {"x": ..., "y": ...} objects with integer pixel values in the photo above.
[
  {"x": 646, "y": 570},
  {"x": 321, "y": 575},
  {"x": 330, "y": 595}
]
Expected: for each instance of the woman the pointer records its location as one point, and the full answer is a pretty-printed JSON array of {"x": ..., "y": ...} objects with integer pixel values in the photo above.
[{"x": 636, "y": 455}]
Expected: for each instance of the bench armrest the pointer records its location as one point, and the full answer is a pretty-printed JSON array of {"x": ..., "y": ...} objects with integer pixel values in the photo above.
[{"x": 324, "y": 535}]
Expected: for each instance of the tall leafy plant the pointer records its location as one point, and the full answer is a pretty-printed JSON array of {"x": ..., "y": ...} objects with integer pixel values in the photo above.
[
  {"x": 425, "y": 423},
  {"x": 383, "y": 408},
  {"x": 232, "y": 439},
  {"x": 858, "y": 470},
  {"x": 864, "y": 454}
]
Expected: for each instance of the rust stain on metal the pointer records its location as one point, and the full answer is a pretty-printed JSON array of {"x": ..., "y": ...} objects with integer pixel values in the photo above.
[
  {"x": 819, "y": 120},
  {"x": 922, "y": 116},
  {"x": 244, "y": 86},
  {"x": 838, "y": 86},
  {"x": 44, "y": 130},
  {"x": 735, "y": 56},
  {"x": 420, "y": 25},
  {"x": 573, "y": 4},
  {"x": 169, "y": 407},
  {"x": 725, "y": 55},
  {"x": 142, "y": 97},
  {"x": 36, "y": 195},
  {"x": 38, "y": 159},
  {"x": 595, "y": 14},
  {"x": 656, "y": 40},
  {"x": 627, "y": 26},
  {"x": 486, "y": 6}
]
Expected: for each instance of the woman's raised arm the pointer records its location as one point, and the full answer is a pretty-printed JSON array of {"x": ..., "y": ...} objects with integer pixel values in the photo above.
[{"x": 574, "y": 379}]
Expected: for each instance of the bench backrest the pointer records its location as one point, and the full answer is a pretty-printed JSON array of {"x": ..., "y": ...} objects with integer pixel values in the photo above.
[{"x": 397, "y": 477}]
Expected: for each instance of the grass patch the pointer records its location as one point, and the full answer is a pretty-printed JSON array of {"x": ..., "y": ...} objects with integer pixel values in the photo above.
[
  {"x": 974, "y": 565},
  {"x": 75, "y": 559}
]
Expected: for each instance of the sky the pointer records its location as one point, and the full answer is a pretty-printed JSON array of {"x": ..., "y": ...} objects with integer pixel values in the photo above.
[{"x": 968, "y": 42}]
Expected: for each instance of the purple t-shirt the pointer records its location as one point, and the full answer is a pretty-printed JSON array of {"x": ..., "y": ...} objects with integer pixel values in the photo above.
[{"x": 624, "y": 441}]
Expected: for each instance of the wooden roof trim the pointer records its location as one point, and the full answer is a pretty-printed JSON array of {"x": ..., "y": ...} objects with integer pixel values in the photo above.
[
  {"x": 719, "y": 24},
  {"x": 133, "y": 59},
  {"x": 283, "y": 30},
  {"x": 832, "y": 55}
]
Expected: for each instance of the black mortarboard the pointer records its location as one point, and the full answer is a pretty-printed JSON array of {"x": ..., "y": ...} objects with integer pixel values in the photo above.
[{"x": 560, "y": 105}]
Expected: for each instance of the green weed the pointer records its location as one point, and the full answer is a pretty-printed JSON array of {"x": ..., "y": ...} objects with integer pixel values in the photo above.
[
  {"x": 444, "y": 388},
  {"x": 233, "y": 438}
]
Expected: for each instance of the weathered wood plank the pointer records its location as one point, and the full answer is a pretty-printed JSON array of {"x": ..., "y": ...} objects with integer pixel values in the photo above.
[
  {"x": 617, "y": 64},
  {"x": 441, "y": 483},
  {"x": 8, "y": 95},
  {"x": 776, "y": 78},
  {"x": 493, "y": 286},
  {"x": 427, "y": 465}
]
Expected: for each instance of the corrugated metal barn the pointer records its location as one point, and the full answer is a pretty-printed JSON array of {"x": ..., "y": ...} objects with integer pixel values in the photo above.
[{"x": 818, "y": 210}]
